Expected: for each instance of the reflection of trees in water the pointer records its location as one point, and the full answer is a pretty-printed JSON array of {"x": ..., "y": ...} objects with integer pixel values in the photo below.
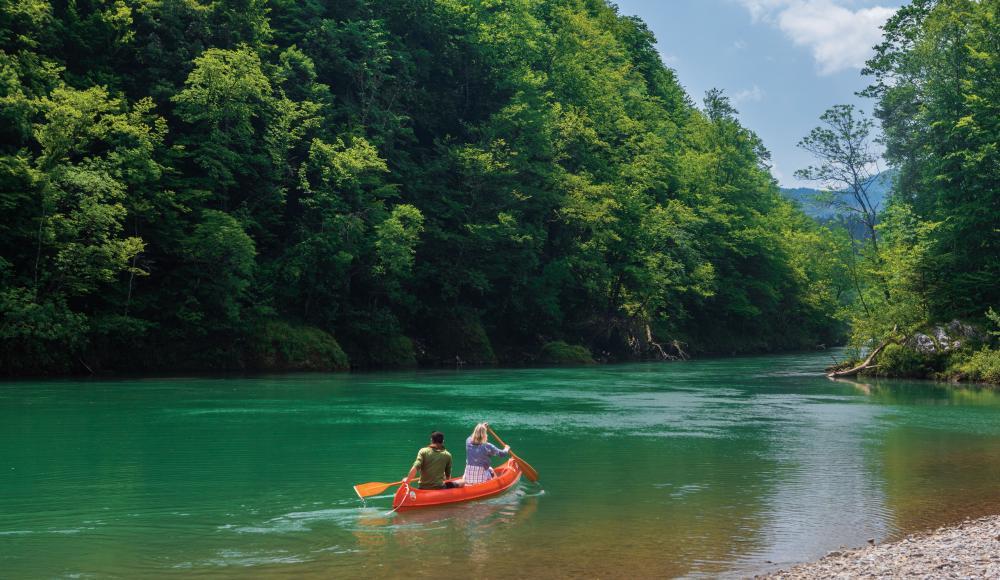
[
  {"x": 673, "y": 506},
  {"x": 935, "y": 476},
  {"x": 938, "y": 463},
  {"x": 827, "y": 489},
  {"x": 894, "y": 391},
  {"x": 865, "y": 388},
  {"x": 402, "y": 537}
]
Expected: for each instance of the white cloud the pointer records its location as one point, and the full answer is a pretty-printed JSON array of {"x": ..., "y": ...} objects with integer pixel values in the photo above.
[
  {"x": 763, "y": 9},
  {"x": 740, "y": 45},
  {"x": 838, "y": 37},
  {"x": 778, "y": 175},
  {"x": 747, "y": 95}
]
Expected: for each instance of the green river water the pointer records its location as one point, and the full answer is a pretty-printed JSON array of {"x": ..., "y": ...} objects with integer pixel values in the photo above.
[{"x": 703, "y": 468}]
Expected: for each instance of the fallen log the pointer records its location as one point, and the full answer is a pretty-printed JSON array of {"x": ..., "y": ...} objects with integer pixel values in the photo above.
[{"x": 867, "y": 363}]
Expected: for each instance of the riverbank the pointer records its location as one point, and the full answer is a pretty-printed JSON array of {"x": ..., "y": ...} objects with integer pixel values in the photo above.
[
  {"x": 970, "y": 549},
  {"x": 954, "y": 352}
]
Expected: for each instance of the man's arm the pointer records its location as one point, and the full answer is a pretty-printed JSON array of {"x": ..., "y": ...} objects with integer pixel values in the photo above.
[
  {"x": 418, "y": 464},
  {"x": 447, "y": 469}
]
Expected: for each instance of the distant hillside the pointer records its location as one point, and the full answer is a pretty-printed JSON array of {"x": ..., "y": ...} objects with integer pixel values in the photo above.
[{"x": 806, "y": 196}]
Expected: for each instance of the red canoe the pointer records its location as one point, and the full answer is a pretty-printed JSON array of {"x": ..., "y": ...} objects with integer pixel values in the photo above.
[{"x": 408, "y": 498}]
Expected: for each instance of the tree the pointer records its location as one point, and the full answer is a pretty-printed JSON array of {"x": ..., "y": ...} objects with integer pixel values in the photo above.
[
  {"x": 191, "y": 184},
  {"x": 91, "y": 149},
  {"x": 847, "y": 166},
  {"x": 937, "y": 85}
]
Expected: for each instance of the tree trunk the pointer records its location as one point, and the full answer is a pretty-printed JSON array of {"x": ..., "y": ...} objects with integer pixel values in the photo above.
[{"x": 867, "y": 362}]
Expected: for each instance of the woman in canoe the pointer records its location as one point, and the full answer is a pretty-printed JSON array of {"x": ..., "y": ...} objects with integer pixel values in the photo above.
[{"x": 477, "y": 456}]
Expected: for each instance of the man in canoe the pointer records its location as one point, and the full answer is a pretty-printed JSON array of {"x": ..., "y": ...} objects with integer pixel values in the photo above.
[{"x": 434, "y": 464}]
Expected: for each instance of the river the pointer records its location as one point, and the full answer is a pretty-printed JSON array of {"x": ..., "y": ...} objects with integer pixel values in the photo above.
[{"x": 702, "y": 468}]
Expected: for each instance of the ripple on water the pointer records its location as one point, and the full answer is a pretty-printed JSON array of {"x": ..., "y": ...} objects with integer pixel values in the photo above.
[
  {"x": 55, "y": 531},
  {"x": 303, "y": 521},
  {"x": 246, "y": 559}
]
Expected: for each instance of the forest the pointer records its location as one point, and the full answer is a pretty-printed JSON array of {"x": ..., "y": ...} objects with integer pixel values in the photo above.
[
  {"x": 305, "y": 185},
  {"x": 928, "y": 269}
]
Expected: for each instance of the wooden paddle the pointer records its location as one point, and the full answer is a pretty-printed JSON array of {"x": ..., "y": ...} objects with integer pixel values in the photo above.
[
  {"x": 528, "y": 470},
  {"x": 375, "y": 487}
]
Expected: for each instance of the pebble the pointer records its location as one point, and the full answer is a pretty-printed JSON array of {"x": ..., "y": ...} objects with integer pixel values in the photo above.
[{"x": 967, "y": 550}]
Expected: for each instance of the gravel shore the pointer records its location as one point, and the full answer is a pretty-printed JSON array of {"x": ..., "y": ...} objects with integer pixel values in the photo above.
[{"x": 967, "y": 550}]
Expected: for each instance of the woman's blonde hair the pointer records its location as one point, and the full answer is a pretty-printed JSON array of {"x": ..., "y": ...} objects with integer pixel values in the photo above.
[{"x": 479, "y": 434}]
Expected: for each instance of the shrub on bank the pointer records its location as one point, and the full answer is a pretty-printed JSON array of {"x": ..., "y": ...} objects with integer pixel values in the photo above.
[
  {"x": 965, "y": 364},
  {"x": 558, "y": 352},
  {"x": 980, "y": 366},
  {"x": 385, "y": 350},
  {"x": 375, "y": 339},
  {"x": 897, "y": 360},
  {"x": 281, "y": 346},
  {"x": 459, "y": 337}
]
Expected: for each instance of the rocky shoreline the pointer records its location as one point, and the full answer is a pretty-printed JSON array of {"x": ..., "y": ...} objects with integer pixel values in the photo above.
[{"x": 970, "y": 549}]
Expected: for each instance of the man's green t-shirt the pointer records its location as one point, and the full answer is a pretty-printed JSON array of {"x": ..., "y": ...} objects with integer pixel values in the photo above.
[{"x": 434, "y": 466}]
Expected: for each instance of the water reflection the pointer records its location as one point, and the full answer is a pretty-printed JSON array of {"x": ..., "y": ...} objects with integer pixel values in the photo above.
[
  {"x": 946, "y": 430},
  {"x": 901, "y": 392},
  {"x": 701, "y": 468},
  {"x": 519, "y": 502},
  {"x": 828, "y": 478},
  {"x": 473, "y": 526},
  {"x": 920, "y": 466}
]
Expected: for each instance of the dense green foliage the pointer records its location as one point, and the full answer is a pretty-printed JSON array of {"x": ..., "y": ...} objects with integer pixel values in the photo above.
[
  {"x": 936, "y": 257},
  {"x": 278, "y": 345},
  {"x": 211, "y": 183},
  {"x": 558, "y": 352},
  {"x": 981, "y": 366},
  {"x": 938, "y": 89}
]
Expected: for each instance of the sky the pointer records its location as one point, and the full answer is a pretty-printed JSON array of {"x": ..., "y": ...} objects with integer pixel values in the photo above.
[{"x": 781, "y": 62}]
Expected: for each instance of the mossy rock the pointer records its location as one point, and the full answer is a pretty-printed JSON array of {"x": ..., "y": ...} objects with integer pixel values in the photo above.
[
  {"x": 560, "y": 353},
  {"x": 281, "y": 346}
]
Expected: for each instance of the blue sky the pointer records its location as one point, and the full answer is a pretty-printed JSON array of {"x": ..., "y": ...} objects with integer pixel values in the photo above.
[{"x": 782, "y": 62}]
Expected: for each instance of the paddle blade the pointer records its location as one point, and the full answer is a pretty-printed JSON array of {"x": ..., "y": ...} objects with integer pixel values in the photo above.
[
  {"x": 372, "y": 488},
  {"x": 526, "y": 469}
]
